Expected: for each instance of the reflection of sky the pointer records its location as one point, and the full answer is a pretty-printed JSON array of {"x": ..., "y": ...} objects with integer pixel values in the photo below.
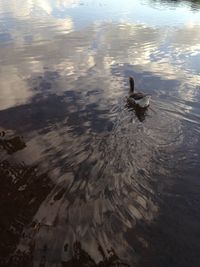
[
  {"x": 86, "y": 12},
  {"x": 167, "y": 52},
  {"x": 132, "y": 11}
]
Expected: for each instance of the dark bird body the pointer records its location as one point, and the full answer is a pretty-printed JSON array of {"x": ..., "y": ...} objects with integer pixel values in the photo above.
[{"x": 137, "y": 98}]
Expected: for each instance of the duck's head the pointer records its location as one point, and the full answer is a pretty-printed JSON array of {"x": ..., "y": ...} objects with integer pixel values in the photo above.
[{"x": 132, "y": 84}]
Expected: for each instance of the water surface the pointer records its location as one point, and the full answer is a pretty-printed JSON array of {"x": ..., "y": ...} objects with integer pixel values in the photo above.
[{"x": 85, "y": 180}]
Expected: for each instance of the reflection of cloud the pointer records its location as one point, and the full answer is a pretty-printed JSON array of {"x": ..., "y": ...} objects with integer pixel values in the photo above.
[
  {"x": 29, "y": 8},
  {"x": 64, "y": 25},
  {"x": 33, "y": 18},
  {"x": 16, "y": 8},
  {"x": 165, "y": 53},
  {"x": 14, "y": 89},
  {"x": 65, "y": 3},
  {"x": 44, "y": 5}
]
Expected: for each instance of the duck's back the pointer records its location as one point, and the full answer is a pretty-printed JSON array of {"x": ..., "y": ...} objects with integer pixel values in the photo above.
[{"x": 137, "y": 96}]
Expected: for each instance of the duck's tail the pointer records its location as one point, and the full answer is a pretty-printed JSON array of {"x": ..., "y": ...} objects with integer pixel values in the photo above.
[{"x": 132, "y": 84}]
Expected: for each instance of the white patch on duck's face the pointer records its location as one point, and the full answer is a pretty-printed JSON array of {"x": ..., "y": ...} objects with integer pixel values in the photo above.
[{"x": 143, "y": 102}]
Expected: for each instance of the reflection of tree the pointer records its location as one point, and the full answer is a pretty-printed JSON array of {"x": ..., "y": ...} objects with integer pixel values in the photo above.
[
  {"x": 195, "y": 4},
  {"x": 21, "y": 192},
  {"x": 83, "y": 259},
  {"x": 12, "y": 144}
]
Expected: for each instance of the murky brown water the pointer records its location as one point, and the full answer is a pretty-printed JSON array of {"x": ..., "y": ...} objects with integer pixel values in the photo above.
[{"x": 85, "y": 180}]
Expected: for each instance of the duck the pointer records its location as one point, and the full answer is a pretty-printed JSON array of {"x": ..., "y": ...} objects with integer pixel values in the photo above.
[{"x": 138, "y": 99}]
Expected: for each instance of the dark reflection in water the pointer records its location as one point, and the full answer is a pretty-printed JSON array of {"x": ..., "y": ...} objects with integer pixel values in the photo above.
[
  {"x": 139, "y": 112},
  {"x": 85, "y": 179},
  {"x": 174, "y": 232},
  {"x": 11, "y": 144},
  {"x": 194, "y": 4},
  {"x": 22, "y": 191}
]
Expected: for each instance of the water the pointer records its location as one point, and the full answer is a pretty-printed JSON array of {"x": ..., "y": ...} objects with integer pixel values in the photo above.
[{"x": 85, "y": 180}]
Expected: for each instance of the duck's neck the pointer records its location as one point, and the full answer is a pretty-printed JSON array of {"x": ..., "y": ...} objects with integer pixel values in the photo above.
[{"x": 132, "y": 85}]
